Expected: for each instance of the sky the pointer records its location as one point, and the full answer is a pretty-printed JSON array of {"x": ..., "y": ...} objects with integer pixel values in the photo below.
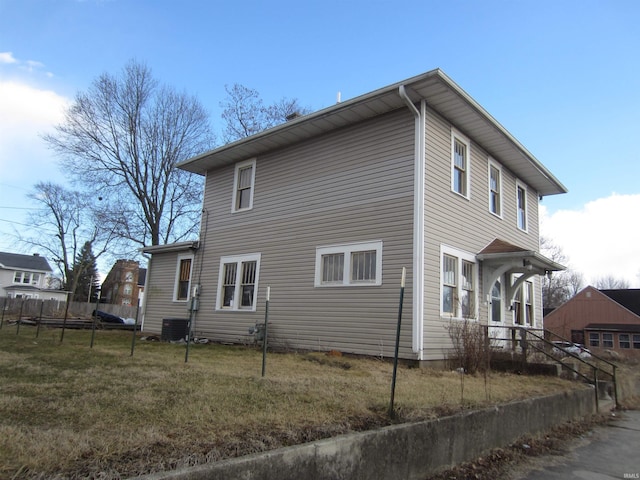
[{"x": 562, "y": 76}]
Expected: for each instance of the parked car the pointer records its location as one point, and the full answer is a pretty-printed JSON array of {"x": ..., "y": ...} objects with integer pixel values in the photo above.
[{"x": 561, "y": 349}]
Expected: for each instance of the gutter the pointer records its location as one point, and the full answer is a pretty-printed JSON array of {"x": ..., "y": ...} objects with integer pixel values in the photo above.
[{"x": 417, "y": 343}]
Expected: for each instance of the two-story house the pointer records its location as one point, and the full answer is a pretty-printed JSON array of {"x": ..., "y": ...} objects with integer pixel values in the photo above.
[
  {"x": 24, "y": 276},
  {"x": 328, "y": 208}
]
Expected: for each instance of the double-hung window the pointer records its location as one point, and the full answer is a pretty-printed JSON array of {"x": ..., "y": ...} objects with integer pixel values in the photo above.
[
  {"x": 460, "y": 164},
  {"x": 449, "y": 284},
  {"x": 636, "y": 340},
  {"x": 495, "y": 189},
  {"x": 238, "y": 282},
  {"x": 467, "y": 288},
  {"x": 183, "y": 278},
  {"x": 458, "y": 284},
  {"x": 26, "y": 278},
  {"x": 521, "y": 202},
  {"x": 624, "y": 340},
  {"x": 354, "y": 264},
  {"x": 496, "y": 302},
  {"x": 523, "y": 304},
  {"x": 607, "y": 340},
  {"x": 244, "y": 180},
  {"x": 594, "y": 339}
]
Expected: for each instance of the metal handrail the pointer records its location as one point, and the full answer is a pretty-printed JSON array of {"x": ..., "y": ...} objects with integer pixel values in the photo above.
[
  {"x": 524, "y": 331},
  {"x": 595, "y": 368}
]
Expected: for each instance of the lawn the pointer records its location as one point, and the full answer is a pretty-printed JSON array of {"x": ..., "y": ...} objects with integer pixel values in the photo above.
[{"x": 71, "y": 411}]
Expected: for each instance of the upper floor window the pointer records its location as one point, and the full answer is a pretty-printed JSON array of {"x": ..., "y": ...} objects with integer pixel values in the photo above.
[
  {"x": 460, "y": 172},
  {"x": 27, "y": 278},
  {"x": 244, "y": 179},
  {"x": 458, "y": 284},
  {"x": 495, "y": 189},
  {"x": 521, "y": 201},
  {"x": 238, "y": 282},
  {"x": 349, "y": 264},
  {"x": 183, "y": 278}
]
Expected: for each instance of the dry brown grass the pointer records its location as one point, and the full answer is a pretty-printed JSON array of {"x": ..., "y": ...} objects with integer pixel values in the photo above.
[{"x": 68, "y": 411}]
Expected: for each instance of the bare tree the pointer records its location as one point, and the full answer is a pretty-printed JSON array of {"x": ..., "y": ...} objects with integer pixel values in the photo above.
[
  {"x": 560, "y": 286},
  {"x": 66, "y": 222},
  {"x": 609, "y": 282},
  {"x": 245, "y": 114},
  {"x": 122, "y": 139},
  {"x": 575, "y": 282}
]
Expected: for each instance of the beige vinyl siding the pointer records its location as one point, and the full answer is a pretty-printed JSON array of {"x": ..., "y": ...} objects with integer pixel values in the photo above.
[
  {"x": 160, "y": 285},
  {"x": 353, "y": 185},
  {"x": 465, "y": 224}
]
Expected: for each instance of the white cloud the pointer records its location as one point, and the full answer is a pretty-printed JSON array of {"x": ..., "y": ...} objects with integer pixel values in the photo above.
[
  {"x": 601, "y": 239},
  {"x": 26, "y": 106},
  {"x": 31, "y": 66},
  {"x": 7, "y": 57},
  {"x": 25, "y": 114}
]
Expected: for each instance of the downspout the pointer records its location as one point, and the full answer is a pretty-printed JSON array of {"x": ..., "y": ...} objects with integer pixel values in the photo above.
[{"x": 418, "y": 223}]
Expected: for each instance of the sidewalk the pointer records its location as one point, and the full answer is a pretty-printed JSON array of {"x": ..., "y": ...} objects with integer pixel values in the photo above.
[{"x": 610, "y": 452}]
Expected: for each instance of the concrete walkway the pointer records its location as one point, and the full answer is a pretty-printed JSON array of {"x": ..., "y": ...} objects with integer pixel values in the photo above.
[{"x": 610, "y": 452}]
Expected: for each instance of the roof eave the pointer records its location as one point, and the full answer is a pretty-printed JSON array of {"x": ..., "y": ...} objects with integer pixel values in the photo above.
[
  {"x": 442, "y": 95},
  {"x": 172, "y": 247}
]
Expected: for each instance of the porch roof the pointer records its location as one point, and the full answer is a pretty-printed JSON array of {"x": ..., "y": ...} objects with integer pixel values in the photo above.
[{"x": 500, "y": 252}]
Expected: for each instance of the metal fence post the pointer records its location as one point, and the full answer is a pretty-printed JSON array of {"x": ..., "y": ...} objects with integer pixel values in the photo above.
[
  {"x": 264, "y": 340},
  {"x": 395, "y": 356}
]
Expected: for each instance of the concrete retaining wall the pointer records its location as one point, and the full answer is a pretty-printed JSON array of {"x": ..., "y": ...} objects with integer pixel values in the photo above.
[{"x": 400, "y": 452}]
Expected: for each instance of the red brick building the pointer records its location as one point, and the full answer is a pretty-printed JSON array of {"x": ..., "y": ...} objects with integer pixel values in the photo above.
[
  {"x": 603, "y": 320},
  {"x": 124, "y": 284}
]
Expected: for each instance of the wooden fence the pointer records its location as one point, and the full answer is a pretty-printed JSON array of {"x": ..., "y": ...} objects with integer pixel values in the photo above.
[{"x": 34, "y": 308}]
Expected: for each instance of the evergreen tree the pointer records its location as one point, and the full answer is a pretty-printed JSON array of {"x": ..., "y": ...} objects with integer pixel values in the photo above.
[{"x": 85, "y": 269}]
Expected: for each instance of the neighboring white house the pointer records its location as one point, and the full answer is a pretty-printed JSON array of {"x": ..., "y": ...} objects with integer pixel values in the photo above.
[
  {"x": 328, "y": 208},
  {"x": 24, "y": 276}
]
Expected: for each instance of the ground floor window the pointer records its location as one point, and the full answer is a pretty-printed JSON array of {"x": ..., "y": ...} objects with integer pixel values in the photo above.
[
  {"x": 183, "y": 278},
  {"x": 496, "y": 302},
  {"x": 523, "y": 305},
  {"x": 238, "y": 282},
  {"x": 624, "y": 340},
  {"x": 458, "y": 281},
  {"x": 352, "y": 264},
  {"x": 607, "y": 340},
  {"x": 636, "y": 340},
  {"x": 594, "y": 339}
]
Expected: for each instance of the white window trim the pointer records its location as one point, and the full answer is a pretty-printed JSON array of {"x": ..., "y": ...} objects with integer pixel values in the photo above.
[
  {"x": 234, "y": 200},
  {"x": 497, "y": 166},
  {"x": 502, "y": 302},
  {"x": 181, "y": 257},
  {"x": 523, "y": 303},
  {"x": 455, "y": 134},
  {"x": 347, "y": 249},
  {"x": 238, "y": 259},
  {"x": 32, "y": 277},
  {"x": 521, "y": 185},
  {"x": 460, "y": 255}
]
